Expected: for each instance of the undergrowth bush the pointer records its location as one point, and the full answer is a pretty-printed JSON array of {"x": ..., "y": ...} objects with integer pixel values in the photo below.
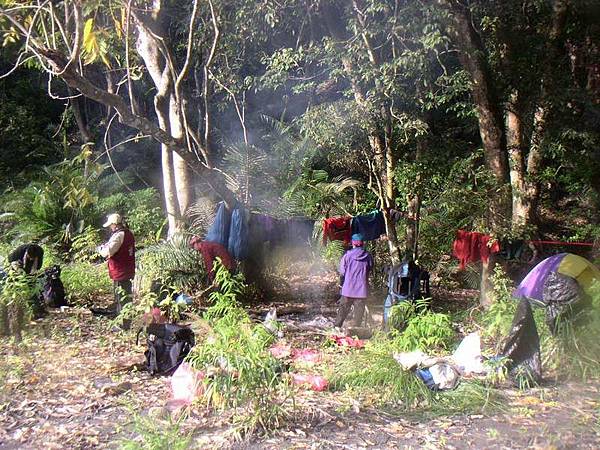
[
  {"x": 574, "y": 351},
  {"x": 415, "y": 327},
  {"x": 241, "y": 372},
  {"x": 85, "y": 281},
  {"x": 172, "y": 263},
  {"x": 17, "y": 292},
  {"x": 142, "y": 210},
  {"x": 152, "y": 434}
]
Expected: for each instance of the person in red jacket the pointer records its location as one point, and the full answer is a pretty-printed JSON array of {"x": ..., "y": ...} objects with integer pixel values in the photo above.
[{"x": 120, "y": 254}]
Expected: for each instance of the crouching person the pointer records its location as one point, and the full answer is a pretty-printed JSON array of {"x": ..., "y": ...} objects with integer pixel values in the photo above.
[
  {"x": 355, "y": 266},
  {"x": 120, "y": 254}
]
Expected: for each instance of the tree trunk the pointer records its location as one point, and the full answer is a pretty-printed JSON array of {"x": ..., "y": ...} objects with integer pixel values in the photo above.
[
  {"x": 414, "y": 203},
  {"x": 170, "y": 191},
  {"x": 181, "y": 170},
  {"x": 380, "y": 132},
  {"x": 472, "y": 56},
  {"x": 521, "y": 207}
]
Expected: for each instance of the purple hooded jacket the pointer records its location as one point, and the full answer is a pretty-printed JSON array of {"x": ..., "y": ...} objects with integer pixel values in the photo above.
[{"x": 355, "y": 266}]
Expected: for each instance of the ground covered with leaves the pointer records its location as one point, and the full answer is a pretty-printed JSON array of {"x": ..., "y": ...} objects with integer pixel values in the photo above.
[{"x": 75, "y": 383}]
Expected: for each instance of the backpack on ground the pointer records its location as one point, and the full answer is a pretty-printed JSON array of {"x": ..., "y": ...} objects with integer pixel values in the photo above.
[
  {"x": 53, "y": 292},
  {"x": 167, "y": 346}
]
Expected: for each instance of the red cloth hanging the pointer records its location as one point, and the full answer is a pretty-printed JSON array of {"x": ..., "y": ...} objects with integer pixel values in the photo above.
[
  {"x": 337, "y": 229},
  {"x": 470, "y": 247}
]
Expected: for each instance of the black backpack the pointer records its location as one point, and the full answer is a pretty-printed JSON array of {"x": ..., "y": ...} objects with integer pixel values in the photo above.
[
  {"x": 53, "y": 292},
  {"x": 168, "y": 345}
]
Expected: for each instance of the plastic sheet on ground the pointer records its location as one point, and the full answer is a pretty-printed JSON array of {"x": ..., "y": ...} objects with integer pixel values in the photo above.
[
  {"x": 320, "y": 322},
  {"x": 280, "y": 351},
  {"x": 306, "y": 355},
  {"x": 186, "y": 384},
  {"x": 445, "y": 376},
  {"x": 314, "y": 382},
  {"x": 411, "y": 360},
  {"x": 467, "y": 357},
  {"x": 347, "y": 341}
]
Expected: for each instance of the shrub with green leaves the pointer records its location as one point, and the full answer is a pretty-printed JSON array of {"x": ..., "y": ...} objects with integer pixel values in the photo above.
[
  {"x": 17, "y": 293},
  {"x": 574, "y": 351},
  {"x": 58, "y": 205},
  {"x": 84, "y": 245},
  {"x": 153, "y": 434},
  {"x": 85, "y": 281},
  {"x": 428, "y": 332},
  {"x": 173, "y": 264},
  {"x": 142, "y": 210},
  {"x": 241, "y": 372}
]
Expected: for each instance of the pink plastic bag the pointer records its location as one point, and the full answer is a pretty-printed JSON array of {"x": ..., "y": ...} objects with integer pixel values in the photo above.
[
  {"x": 347, "y": 341},
  {"x": 155, "y": 315},
  {"x": 186, "y": 384},
  {"x": 306, "y": 355},
  {"x": 280, "y": 351},
  {"x": 314, "y": 382}
]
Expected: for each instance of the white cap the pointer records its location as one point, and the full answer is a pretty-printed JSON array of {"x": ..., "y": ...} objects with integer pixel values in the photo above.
[{"x": 113, "y": 219}]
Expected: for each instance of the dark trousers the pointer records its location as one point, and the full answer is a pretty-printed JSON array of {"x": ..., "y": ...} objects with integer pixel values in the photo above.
[
  {"x": 345, "y": 305},
  {"x": 122, "y": 291}
]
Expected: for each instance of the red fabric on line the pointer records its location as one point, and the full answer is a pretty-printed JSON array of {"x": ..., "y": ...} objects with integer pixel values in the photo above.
[
  {"x": 337, "y": 229},
  {"x": 470, "y": 247}
]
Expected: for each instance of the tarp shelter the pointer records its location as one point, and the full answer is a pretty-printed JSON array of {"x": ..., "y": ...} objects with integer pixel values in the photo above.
[{"x": 559, "y": 282}]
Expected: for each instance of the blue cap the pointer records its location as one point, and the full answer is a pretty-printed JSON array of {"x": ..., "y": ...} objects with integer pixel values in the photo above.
[{"x": 357, "y": 237}]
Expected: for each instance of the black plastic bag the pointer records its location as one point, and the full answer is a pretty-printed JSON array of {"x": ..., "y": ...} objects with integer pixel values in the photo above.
[{"x": 522, "y": 345}]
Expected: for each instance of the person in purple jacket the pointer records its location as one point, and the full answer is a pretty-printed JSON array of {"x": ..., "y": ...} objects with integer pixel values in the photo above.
[{"x": 355, "y": 266}]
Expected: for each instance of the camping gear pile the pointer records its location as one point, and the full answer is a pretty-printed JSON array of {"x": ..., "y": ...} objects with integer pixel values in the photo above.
[
  {"x": 167, "y": 345},
  {"x": 562, "y": 284},
  {"x": 443, "y": 373},
  {"x": 406, "y": 281}
]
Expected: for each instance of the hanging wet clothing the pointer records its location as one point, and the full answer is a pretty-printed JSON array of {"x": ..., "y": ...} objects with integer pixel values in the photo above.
[
  {"x": 512, "y": 249},
  {"x": 470, "y": 247},
  {"x": 261, "y": 228},
  {"x": 238, "y": 234},
  {"x": 219, "y": 230},
  {"x": 337, "y": 229},
  {"x": 293, "y": 232},
  {"x": 210, "y": 251},
  {"x": 371, "y": 225}
]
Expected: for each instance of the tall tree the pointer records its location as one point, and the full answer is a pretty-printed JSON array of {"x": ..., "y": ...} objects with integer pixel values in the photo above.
[{"x": 70, "y": 41}]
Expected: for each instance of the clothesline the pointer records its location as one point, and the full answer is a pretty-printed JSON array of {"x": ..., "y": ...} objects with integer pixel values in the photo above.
[
  {"x": 469, "y": 246},
  {"x": 371, "y": 226},
  {"x": 584, "y": 244}
]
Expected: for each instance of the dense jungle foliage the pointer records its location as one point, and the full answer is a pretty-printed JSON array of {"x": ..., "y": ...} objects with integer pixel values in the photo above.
[{"x": 454, "y": 114}]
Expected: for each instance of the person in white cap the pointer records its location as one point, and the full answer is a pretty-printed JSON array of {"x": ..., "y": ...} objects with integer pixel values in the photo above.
[{"x": 120, "y": 254}]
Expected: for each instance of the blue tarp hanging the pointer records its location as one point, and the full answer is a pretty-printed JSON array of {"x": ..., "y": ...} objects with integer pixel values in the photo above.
[
  {"x": 238, "y": 235},
  {"x": 219, "y": 230}
]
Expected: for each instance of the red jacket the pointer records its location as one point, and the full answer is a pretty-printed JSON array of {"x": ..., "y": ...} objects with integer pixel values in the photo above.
[
  {"x": 210, "y": 251},
  {"x": 121, "y": 265}
]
